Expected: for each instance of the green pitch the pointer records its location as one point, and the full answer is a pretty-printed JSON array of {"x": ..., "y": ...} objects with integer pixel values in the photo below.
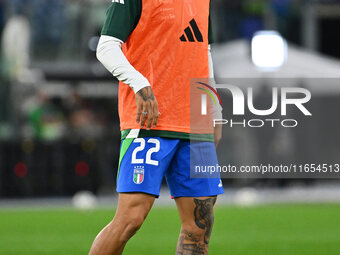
[{"x": 276, "y": 230}]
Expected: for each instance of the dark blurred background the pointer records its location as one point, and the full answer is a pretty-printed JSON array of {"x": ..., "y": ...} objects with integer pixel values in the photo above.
[{"x": 59, "y": 127}]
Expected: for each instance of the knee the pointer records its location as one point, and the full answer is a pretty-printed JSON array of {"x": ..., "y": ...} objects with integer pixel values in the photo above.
[
  {"x": 199, "y": 227},
  {"x": 192, "y": 233},
  {"x": 197, "y": 234},
  {"x": 134, "y": 223},
  {"x": 129, "y": 225}
]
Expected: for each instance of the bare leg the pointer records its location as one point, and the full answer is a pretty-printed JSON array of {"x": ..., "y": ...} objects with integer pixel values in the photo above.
[
  {"x": 197, "y": 218},
  {"x": 131, "y": 212}
]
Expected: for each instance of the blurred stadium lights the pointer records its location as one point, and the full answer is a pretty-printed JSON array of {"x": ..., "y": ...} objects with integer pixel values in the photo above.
[
  {"x": 82, "y": 168},
  {"x": 268, "y": 50},
  {"x": 20, "y": 170}
]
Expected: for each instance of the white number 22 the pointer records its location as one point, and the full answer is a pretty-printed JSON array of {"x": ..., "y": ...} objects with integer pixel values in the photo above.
[{"x": 141, "y": 147}]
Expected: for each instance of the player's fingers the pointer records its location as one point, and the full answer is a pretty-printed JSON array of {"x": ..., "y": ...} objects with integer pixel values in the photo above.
[
  {"x": 150, "y": 116},
  {"x": 144, "y": 114},
  {"x": 155, "y": 120},
  {"x": 139, "y": 112},
  {"x": 157, "y": 113}
]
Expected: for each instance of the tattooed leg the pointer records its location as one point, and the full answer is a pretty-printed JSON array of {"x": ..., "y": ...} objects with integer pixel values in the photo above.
[
  {"x": 188, "y": 244},
  {"x": 197, "y": 221},
  {"x": 204, "y": 216}
]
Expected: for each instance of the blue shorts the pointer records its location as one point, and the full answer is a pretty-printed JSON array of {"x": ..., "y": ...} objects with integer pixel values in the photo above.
[{"x": 144, "y": 162}]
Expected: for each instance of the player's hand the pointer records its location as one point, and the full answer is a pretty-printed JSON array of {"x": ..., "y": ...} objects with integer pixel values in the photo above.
[
  {"x": 147, "y": 108},
  {"x": 217, "y": 134}
]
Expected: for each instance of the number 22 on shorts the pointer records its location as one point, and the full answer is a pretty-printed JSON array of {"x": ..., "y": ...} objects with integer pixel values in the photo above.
[{"x": 148, "y": 160}]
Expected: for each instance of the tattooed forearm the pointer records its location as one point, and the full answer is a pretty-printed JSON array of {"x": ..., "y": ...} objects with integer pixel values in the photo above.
[
  {"x": 204, "y": 217},
  {"x": 146, "y": 93}
]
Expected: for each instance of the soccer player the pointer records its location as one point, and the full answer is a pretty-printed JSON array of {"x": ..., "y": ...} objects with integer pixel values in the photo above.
[{"x": 155, "y": 47}]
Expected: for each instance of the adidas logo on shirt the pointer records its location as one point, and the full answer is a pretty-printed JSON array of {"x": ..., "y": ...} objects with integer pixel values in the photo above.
[
  {"x": 192, "y": 33},
  {"x": 118, "y": 1}
]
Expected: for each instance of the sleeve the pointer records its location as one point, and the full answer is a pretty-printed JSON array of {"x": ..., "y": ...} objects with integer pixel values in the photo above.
[
  {"x": 210, "y": 31},
  {"x": 109, "y": 53},
  {"x": 122, "y": 18}
]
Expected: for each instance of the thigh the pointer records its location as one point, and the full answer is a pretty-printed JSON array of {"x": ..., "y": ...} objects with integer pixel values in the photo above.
[
  {"x": 194, "y": 208},
  {"x": 143, "y": 162},
  {"x": 181, "y": 178}
]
